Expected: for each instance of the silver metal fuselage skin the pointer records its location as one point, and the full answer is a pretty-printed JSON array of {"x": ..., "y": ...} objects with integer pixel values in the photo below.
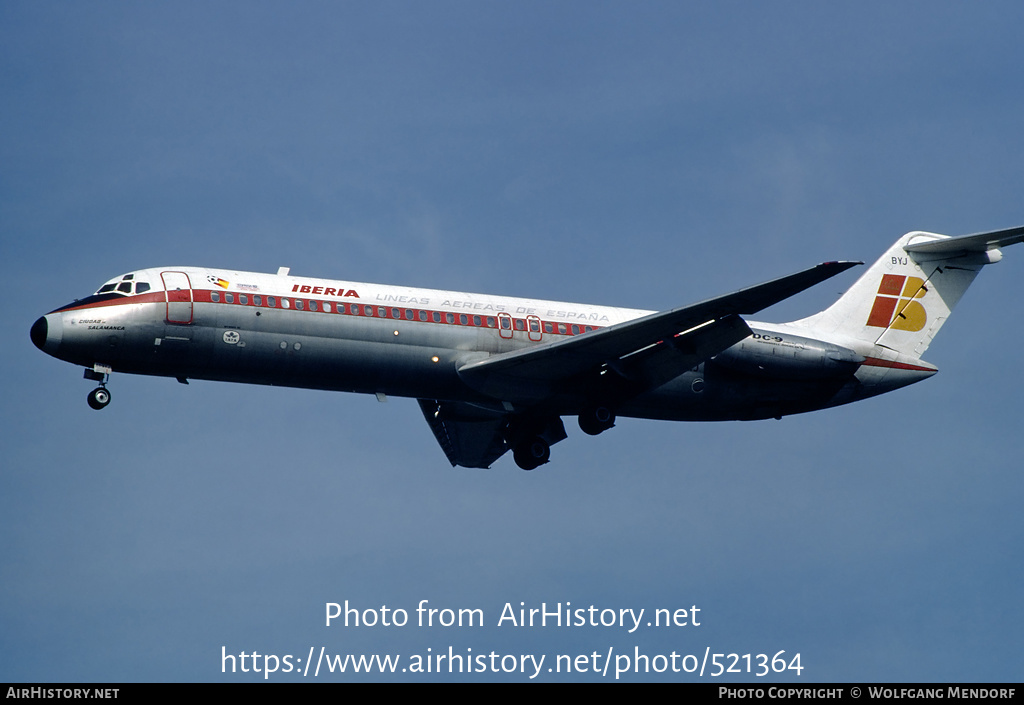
[{"x": 204, "y": 324}]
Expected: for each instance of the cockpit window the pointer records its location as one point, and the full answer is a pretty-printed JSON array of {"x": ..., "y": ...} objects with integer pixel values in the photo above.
[{"x": 124, "y": 284}]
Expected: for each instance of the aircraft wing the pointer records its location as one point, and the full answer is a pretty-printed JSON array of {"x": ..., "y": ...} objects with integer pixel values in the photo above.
[
  {"x": 978, "y": 242},
  {"x": 649, "y": 350}
]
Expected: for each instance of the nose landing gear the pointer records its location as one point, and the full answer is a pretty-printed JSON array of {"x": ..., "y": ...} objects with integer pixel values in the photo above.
[{"x": 99, "y": 397}]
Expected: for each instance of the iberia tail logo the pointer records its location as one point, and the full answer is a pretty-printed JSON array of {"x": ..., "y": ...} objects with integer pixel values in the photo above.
[{"x": 895, "y": 305}]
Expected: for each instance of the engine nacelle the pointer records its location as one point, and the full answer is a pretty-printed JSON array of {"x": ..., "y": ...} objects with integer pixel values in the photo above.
[{"x": 785, "y": 356}]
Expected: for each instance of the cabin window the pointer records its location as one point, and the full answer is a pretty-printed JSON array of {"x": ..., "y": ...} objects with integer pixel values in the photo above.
[
  {"x": 423, "y": 315},
  {"x": 463, "y": 319},
  {"x": 409, "y": 315},
  {"x": 476, "y": 320},
  {"x": 271, "y": 302},
  {"x": 450, "y": 317},
  {"x": 312, "y": 306},
  {"x": 520, "y": 324},
  {"x": 437, "y": 316},
  {"x": 215, "y": 297},
  {"x": 298, "y": 304},
  {"x": 257, "y": 299},
  {"x": 230, "y": 298},
  {"x": 395, "y": 313},
  {"x": 285, "y": 303},
  {"x": 327, "y": 307},
  {"x": 243, "y": 299}
]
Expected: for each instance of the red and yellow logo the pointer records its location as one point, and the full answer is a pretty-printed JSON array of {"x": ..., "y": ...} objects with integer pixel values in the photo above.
[{"x": 895, "y": 305}]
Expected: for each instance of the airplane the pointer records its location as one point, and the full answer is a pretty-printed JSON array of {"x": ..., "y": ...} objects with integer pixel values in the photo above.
[{"x": 497, "y": 373}]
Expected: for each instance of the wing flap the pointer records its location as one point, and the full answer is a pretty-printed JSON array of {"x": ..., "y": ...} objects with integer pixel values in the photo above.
[
  {"x": 468, "y": 436},
  {"x": 663, "y": 362}
]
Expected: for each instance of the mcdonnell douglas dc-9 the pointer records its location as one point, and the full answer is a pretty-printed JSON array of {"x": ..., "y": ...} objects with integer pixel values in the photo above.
[{"x": 495, "y": 373}]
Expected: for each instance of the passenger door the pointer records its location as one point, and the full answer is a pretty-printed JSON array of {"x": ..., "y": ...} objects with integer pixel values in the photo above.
[{"x": 179, "y": 297}]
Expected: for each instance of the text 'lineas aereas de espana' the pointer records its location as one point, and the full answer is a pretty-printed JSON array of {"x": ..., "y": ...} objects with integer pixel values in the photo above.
[{"x": 558, "y": 614}]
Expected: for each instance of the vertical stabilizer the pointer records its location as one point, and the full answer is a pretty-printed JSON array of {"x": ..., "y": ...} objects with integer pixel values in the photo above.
[{"x": 903, "y": 299}]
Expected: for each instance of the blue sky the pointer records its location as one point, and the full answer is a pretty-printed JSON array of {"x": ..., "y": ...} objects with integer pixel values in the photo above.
[{"x": 635, "y": 154}]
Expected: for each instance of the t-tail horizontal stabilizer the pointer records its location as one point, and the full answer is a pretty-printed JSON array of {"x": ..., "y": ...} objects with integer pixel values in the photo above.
[{"x": 903, "y": 299}]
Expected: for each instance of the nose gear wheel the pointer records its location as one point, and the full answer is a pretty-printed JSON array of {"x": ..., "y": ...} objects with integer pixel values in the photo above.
[{"x": 99, "y": 398}]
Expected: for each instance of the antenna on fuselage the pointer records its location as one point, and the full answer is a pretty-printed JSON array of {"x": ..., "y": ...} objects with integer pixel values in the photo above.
[{"x": 283, "y": 271}]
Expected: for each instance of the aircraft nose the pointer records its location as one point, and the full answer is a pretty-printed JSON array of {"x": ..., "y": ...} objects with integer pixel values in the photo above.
[
  {"x": 38, "y": 332},
  {"x": 47, "y": 333}
]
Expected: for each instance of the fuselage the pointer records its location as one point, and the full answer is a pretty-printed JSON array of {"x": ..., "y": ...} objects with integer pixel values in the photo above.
[
  {"x": 276, "y": 329},
  {"x": 494, "y": 374}
]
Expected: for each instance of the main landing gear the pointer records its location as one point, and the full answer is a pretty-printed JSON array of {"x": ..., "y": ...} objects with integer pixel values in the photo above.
[
  {"x": 99, "y": 397},
  {"x": 596, "y": 419},
  {"x": 531, "y": 439},
  {"x": 531, "y": 452}
]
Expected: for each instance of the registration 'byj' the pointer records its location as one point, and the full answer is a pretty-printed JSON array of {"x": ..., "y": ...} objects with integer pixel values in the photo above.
[{"x": 496, "y": 373}]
